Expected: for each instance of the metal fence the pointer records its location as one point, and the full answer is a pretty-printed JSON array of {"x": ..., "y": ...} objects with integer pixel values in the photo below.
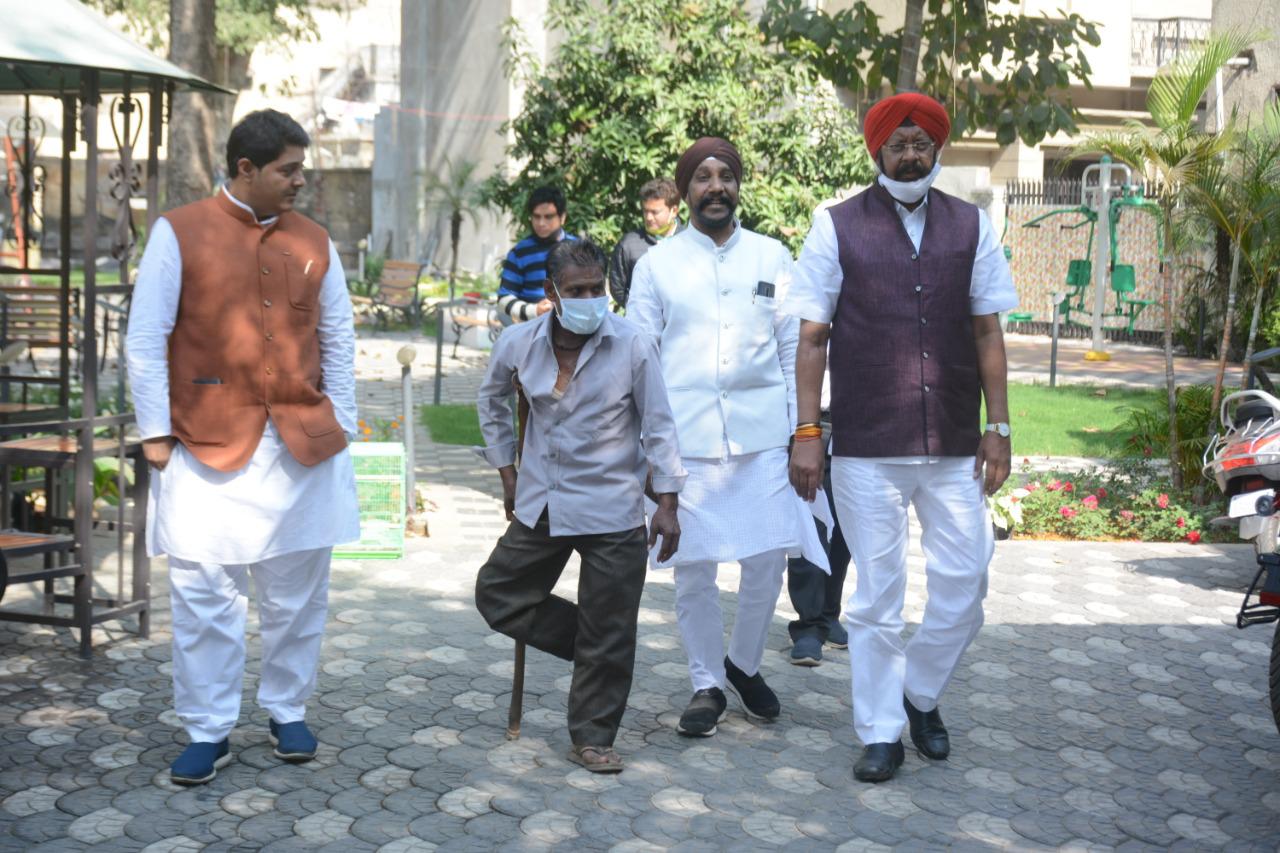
[{"x": 1156, "y": 42}]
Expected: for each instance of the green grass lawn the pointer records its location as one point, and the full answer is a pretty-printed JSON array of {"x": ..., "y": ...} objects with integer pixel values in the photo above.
[
  {"x": 1072, "y": 420},
  {"x": 452, "y": 424}
]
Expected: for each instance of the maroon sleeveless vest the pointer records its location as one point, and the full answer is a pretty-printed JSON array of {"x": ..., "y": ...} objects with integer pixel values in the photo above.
[{"x": 904, "y": 366}]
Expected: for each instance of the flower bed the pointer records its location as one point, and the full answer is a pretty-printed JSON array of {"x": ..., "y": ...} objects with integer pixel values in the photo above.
[{"x": 1129, "y": 501}]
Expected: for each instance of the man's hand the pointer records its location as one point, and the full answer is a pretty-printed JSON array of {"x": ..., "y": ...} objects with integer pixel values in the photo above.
[
  {"x": 158, "y": 450},
  {"x": 994, "y": 452},
  {"x": 807, "y": 460},
  {"x": 544, "y": 306},
  {"x": 665, "y": 523},
  {"x": 508, "y": 474}
]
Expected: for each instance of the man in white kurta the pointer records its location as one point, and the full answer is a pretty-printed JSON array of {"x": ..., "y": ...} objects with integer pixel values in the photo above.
[
  {"x": 710, "y": 296},
  {"x": 274, "y": 518}
]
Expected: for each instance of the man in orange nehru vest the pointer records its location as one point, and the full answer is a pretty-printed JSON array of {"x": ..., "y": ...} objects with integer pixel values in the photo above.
[{"x": 241, "y": 359}]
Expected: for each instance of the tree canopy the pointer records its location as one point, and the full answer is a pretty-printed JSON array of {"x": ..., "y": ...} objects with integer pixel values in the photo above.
[
  {"x": 629, "y": 87},
  {"x": 1000, "y": 71},
  {"x": 241, "y": 24}
]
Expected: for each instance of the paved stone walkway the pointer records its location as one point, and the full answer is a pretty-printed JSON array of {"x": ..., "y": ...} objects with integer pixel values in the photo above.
[{"x": 1108, "y": 702}]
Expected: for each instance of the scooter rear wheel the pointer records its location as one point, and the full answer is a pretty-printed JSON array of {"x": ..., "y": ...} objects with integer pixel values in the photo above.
[{"x": 1275, "y": 677}]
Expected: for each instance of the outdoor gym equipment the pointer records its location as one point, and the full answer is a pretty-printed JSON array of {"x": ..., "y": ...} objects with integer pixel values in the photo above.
[
  {"x": 1079, "y": 270},
  {"x": 1123, "y": 277},
  {"x": 1102, "y": 268}
]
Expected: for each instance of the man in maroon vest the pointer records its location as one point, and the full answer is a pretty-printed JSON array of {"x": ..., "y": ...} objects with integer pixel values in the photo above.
[
  {"x": 905, "y": 282},
  {"x": 241, "y": 361}
]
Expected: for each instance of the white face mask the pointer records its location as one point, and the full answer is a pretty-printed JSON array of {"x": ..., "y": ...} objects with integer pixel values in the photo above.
[
  {"x": 581, "y": 316},
  {"x": 909, "y": 192}
]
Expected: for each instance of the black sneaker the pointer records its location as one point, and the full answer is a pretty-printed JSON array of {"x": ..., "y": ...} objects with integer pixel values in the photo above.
[
  {"x": 752, "y": 692},
  {"x": 705, "y": 710}
]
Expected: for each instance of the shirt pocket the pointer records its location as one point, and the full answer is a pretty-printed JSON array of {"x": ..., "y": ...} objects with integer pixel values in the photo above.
[{"x": 302, "y": 276}]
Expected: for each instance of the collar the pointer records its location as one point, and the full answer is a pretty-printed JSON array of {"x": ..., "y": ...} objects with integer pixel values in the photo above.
[
  {"x": 707, "y": 243},
  {"x": 547, "y": 241},
  {"x": 904, "y": 212},
  {"x": 240, "y": 210}
]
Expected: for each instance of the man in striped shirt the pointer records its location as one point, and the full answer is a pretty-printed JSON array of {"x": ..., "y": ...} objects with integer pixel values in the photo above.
[{"x": 522, "y": 295}]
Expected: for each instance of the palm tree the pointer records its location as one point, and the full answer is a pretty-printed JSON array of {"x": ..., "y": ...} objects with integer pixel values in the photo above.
[
  {"x": 1170, "y": 156},
  {"x": 1238, "y": 196},
  {"x": 456, "y": 192},
  {"x": 1262, "y": 151}
]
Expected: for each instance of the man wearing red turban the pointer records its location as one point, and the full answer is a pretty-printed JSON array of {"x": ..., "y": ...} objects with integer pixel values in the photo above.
[
  {"x": 709, "y": 296},
  {"x": 905, "y": 283}
]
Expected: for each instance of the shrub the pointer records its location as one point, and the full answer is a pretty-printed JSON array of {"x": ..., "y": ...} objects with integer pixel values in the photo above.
[
  {"x": 1129, "y": 501},
  {"x": 1148, "y": 430}
]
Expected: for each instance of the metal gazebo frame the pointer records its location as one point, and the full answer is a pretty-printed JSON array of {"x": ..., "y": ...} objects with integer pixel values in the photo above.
[{"x": 65, "y": 51}]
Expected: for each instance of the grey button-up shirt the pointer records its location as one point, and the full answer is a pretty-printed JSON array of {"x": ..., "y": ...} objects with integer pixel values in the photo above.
[{"x": 585, "y": 454}]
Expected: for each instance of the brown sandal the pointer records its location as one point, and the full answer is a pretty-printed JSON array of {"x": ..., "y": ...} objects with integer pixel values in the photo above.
[{"x": 597, "y": 759}]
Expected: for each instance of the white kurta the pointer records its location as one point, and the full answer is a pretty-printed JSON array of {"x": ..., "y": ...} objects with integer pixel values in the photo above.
[
  {"x": 741, "y": 506},
  {"x": 728, "y": 358},
  {"x": 274, "y": 505}
]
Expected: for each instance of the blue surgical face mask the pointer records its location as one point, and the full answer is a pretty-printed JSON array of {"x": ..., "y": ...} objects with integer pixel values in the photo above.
[{"x": 581, "y": 316}]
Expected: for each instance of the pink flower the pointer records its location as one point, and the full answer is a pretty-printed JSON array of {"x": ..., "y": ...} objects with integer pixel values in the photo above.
[
  {"x": 1068, "y": 487},
  {"x": 1181, "y": 522},
  {"x": 1126, "y": 515},
  {"x": 1102, "y": 493},
  {"x": 1054, "y": 485},
  {"x": 1163, "y": 501},
  {"x": 1026, "y": 461},
  {"x": 1146, "y": 451},
  {"x": 1067, "y": 512},
  {"x": 1193, "y": 536},
  {"x": 1090, "y": 502},
  {"x": 1033, "y": 487}
]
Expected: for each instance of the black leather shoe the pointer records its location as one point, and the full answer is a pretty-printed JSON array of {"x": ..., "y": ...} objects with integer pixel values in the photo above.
[
  {"x": 879, "y": 761},
  {"x": 927, "y": 732}
]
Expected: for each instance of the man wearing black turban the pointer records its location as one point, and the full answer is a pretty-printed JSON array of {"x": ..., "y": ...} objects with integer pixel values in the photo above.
[{"x": 709, "y": 296}]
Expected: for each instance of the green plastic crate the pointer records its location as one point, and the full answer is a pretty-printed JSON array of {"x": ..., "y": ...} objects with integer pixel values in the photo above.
[{"x": 380, "y": 482}]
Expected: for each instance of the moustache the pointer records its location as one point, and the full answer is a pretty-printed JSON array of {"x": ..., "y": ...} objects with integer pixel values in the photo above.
[{"x": 717, "y": 199}]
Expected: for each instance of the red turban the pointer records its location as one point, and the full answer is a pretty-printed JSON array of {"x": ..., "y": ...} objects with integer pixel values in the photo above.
[
  {"x": 707, "y": 146},
  {"x": 888, "y": 115}
]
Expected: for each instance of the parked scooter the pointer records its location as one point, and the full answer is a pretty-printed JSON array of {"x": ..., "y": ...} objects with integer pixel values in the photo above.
[{"x": 1244, "y": 460}]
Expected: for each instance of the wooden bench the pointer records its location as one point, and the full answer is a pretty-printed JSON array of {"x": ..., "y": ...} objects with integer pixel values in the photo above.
[
  {"x": 397, "y": 290},
  {"x": 15, "y": 544},
  {"x": 461, "y": 322}
]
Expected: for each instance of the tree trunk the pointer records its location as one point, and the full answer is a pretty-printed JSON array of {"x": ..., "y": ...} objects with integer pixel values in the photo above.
[
  {"x": 1171, "y": 385},
  {"x": 909, "y": 51},
  {"x": 1226, "y": 336},
  {"x": 1253, "y": 326},
  {"x": 232, "y": 72},
  {"x": 193, "y": 121},
  {"x": 455, "y": 236}
]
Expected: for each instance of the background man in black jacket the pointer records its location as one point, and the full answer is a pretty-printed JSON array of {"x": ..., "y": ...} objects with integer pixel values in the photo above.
[{"x": 660, "y": 201}]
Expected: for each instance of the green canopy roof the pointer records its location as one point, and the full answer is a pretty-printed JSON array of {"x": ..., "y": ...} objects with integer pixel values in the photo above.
[{"x": 47, "y": 46}]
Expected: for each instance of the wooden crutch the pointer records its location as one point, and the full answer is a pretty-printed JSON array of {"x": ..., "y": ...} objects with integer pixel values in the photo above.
[{"x": 517, "y": 674}]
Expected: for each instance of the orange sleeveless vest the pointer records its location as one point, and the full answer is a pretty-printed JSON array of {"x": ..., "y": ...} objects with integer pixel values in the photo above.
[{"x": 244, "y": 347}]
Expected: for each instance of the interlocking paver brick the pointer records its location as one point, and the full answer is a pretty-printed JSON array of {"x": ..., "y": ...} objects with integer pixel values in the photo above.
[{"x": 1107, "y": 702}]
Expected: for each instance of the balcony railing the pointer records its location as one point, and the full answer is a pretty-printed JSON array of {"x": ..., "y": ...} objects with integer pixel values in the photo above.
[{"x": 1158, "y": 41}]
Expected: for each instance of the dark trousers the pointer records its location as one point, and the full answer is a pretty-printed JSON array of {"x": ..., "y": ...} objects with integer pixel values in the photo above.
[
  {"x": 815, "y": 595},
  {"x": 513, "y": 594}
]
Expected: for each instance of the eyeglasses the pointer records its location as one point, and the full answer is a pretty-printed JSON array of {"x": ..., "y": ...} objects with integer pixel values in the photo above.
[{"x": 897, "y": 149}]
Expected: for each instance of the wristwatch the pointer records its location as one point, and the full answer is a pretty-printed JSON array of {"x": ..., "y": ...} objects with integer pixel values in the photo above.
[{"x": 1000, "y": 429}]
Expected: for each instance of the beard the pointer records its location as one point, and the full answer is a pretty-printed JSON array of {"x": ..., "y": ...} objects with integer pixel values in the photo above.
[{"x": 716, "y": 222}]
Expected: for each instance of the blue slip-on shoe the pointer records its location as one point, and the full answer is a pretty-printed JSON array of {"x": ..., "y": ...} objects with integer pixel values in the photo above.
[
  {"x": 200, "y": 762},
  {"x": 837, "y": 636},
  {"x": 293, "y": 741},
  {"x": 807, "y": 651}
]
